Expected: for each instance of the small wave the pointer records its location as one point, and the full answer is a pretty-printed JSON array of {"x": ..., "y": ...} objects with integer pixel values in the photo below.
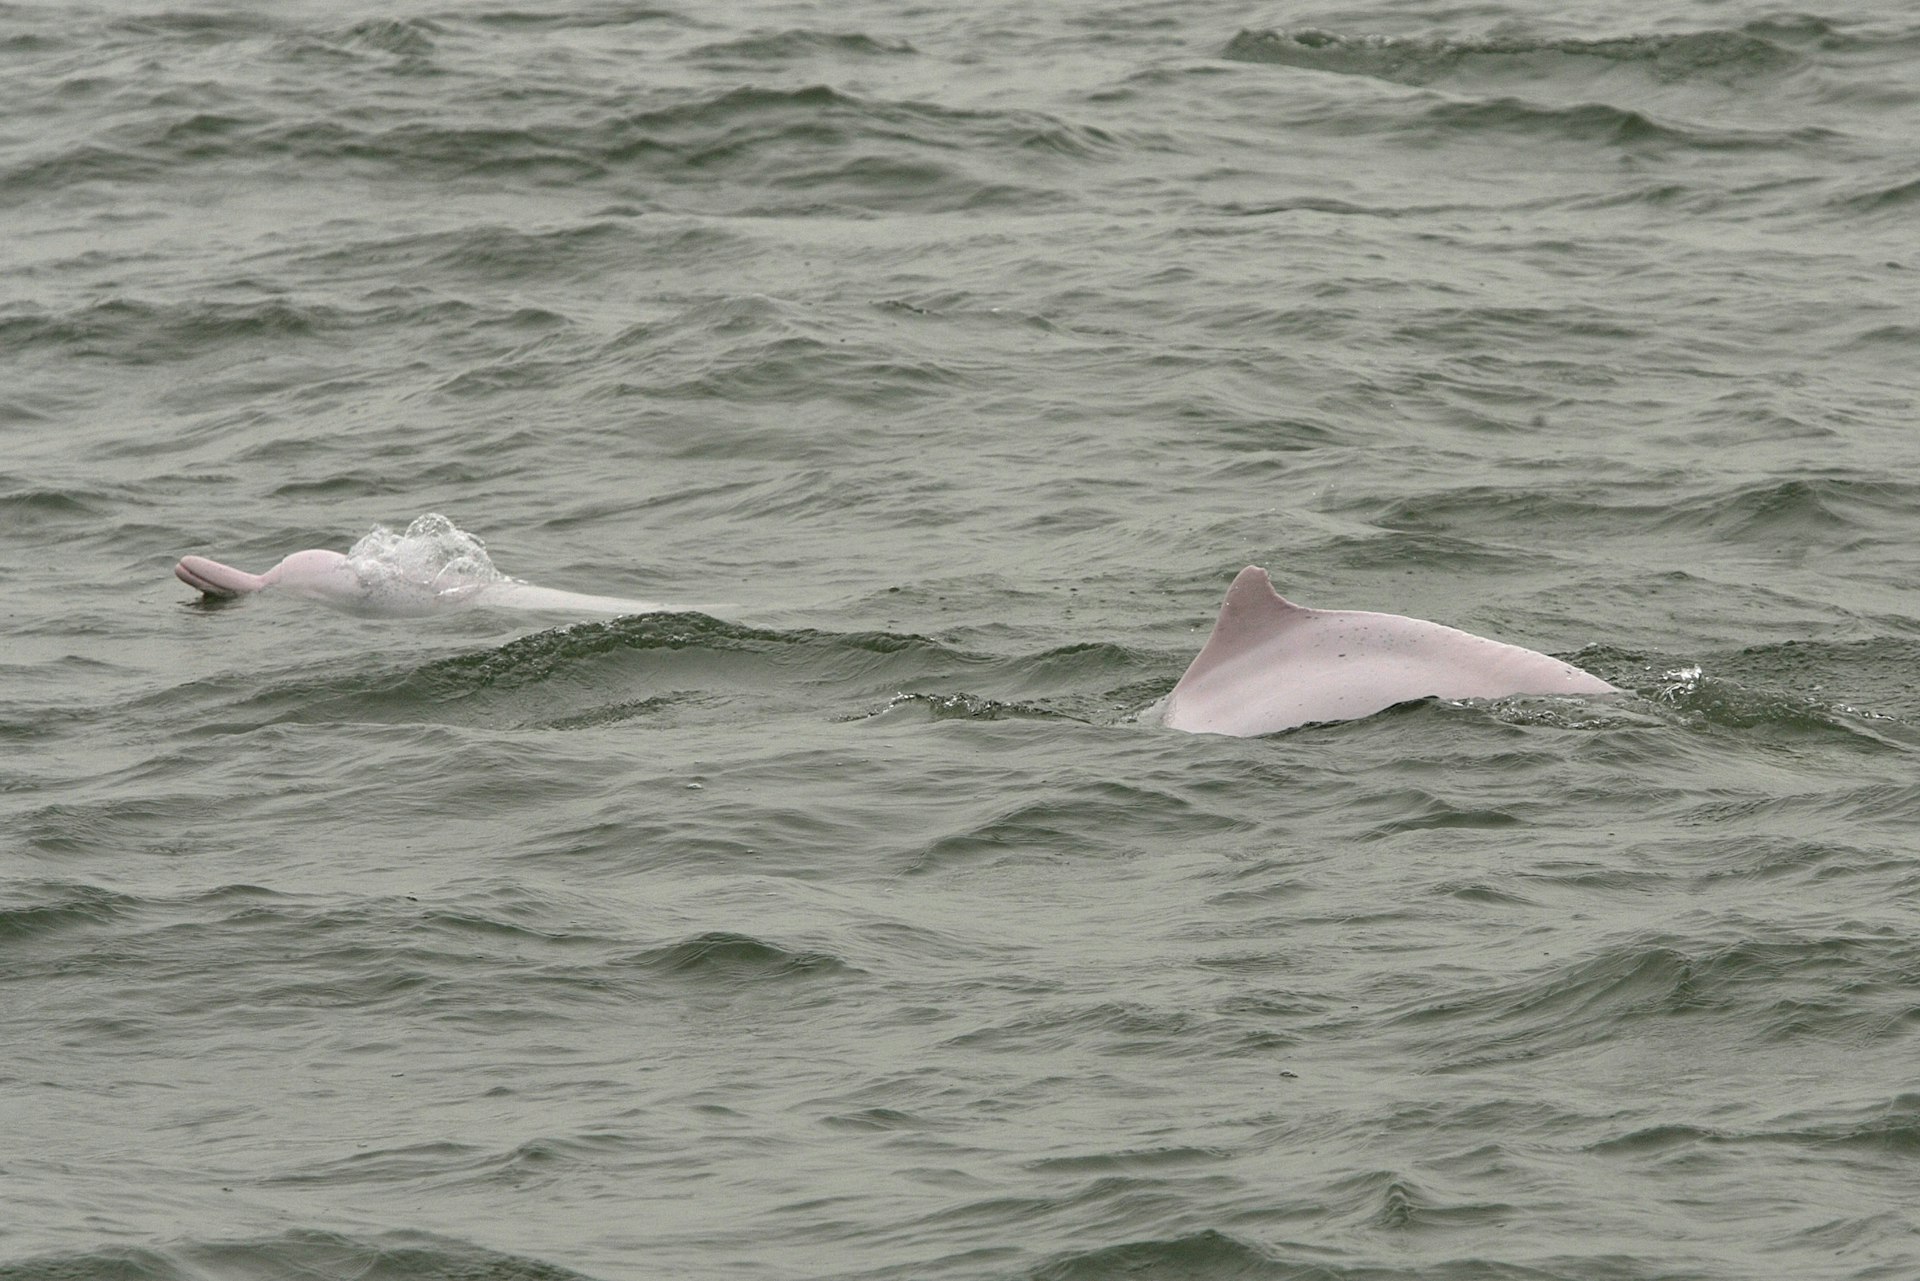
[
  {"x": 31, "y": 911},
  {"x": 579, "y": 676},
  {"x": 1810, "y": 511},
  {"x": 587, "y": 14},
  {"x": 385, "y": 1165},
  {"x": 28, "y": 42},
  {"x": 134, "y": 156},
  {"x": 787, "y": 151},
  {"x": 1830, "y": 680},
  {"x": 1781, "y": 991},
  {"x": 499, "y": 252},
  {"x": 493, "y": 254},
  {"x": 1127, "y": 1162},
  {"x": 1584, "y": 1002},
  {"x": 1394, "y": 1201},
  {"x": 1606, "y": 124},
  {"x": 1721, "y": 55},
  {"x": 1092, "y": 820},
  {"x": 134, "y": 332},
  {"x": 668, "y": 668},
  {"x": 397, "y": 1256},
  {"x": 532, "y": 660},
  {"x": 404, "y": 37},
  {"x": 877, "y": 1120},
  {"x": 1760, "y": 708},
  {"x": 1121, "y": 1028},
  {"x": 27, "y": 505},
  {"x": 200, "y": 26},
  {"x": 1896, "y": 199},
  {"x": 760, "y": 350},
  {"x": 737, "y": 958},
  {"x": 400, "y": 45},
  {"x": 1891, "y": 1128},
  {"x": 796, "y": 44},
  {"x": 967, "y": 707},
  {"x": 1204, "y": 1256},
  {"x": 1813, "y": 510},
  {"x": 1415, "y": 810}
]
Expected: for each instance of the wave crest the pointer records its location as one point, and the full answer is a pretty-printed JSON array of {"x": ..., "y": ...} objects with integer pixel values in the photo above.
[{"x": 1715, "y": 54}]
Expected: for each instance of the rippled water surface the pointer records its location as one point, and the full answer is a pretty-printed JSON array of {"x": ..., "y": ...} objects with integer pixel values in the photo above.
[{"x": 941, "y": 365}]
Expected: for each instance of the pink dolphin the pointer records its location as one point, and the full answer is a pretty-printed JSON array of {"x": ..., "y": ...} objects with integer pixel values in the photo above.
[
  {"x": 1269, "y": 665},
  {"x": 1272, "y": 665},
  {"x": 336, "y": 580}
]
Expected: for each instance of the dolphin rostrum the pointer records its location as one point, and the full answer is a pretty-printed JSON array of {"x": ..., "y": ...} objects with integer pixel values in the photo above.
[{"x": 1272, "y": 665}]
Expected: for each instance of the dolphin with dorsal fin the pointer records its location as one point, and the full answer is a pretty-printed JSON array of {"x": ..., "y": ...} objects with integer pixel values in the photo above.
[
  {"x": 1269, "y": 665},
  {"x": 1272, "y": 665},
  {"x": 336, "y": 580}
]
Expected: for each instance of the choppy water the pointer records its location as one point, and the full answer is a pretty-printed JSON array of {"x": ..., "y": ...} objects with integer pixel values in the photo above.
[{"x": 948, "y": 361}]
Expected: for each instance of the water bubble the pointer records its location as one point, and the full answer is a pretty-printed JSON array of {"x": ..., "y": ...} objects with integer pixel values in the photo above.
[{"x": 432, "y": 556}]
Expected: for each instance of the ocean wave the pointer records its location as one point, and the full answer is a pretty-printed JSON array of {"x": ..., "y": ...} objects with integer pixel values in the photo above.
[
  {"x": 1118, "y": 1028},
  {"x": 512, "y": 956},
  {"x": 401, "y": 37},
  {"x": 1779, "y": 991},
  {"x": 30, "y": 911},
  {"x": 197, "y": 26},
  {"x": 133, "y": 331},
  {"x": 1721, "y": 55},
  {"x": 1897, "y": 199},
  {"x": 725, "y": 957},
  {"x": 1712, "y": 91},
  {"x": 790, "y": 150},
  {"x": 662, "y": 666},
  {"x": 1093, "y": 819},
  {"x": 484, "y": 255},
  {"x": 777, "y": 369},
  {"x": 573, "y": 650},
  {"x": 438, "y": 1161},
  {"x": 1206, "y": 1255},
  {"x": 969, "y": 707},
  {"x": 399, "y": 1256},
  {"x": 27, "y": 504},
  {"x": 1811, "y": 510},
  {"x": 794, "y": 45},
  {"x": 1890, "y": 1128},
  {"x": 587, "y": 15},
  {"x": 1609, "y": 125},
  {"x": 1759, "y": 708}
]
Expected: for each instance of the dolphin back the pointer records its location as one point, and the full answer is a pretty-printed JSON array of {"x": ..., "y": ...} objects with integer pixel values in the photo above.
[{"x": 1271, "y": 665}]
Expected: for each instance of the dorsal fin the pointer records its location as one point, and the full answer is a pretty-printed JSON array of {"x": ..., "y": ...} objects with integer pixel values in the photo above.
[
  {"x": 1272, "y": 665},
  {"x": 1251, "y": 612}
]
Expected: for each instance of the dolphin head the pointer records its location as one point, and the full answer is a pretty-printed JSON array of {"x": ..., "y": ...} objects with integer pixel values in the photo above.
[{"x": 318, "y": 575}]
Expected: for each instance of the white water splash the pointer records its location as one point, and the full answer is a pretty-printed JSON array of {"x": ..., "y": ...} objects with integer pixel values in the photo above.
[
  {"x": 432, "y": 560},
  {"x": 434, "y": 566}
]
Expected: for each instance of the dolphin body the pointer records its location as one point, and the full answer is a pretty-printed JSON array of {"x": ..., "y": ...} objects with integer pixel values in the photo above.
[
  {"x": 1272, "y": 665},
  {"x": 339, "y": 581}
]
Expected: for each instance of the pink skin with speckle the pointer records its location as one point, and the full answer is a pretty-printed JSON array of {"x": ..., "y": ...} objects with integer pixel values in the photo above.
[{"x": 1272, "y": 665}]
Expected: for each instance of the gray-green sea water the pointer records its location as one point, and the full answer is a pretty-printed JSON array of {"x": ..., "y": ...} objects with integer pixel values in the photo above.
[{"x": 944, "y": 363}]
